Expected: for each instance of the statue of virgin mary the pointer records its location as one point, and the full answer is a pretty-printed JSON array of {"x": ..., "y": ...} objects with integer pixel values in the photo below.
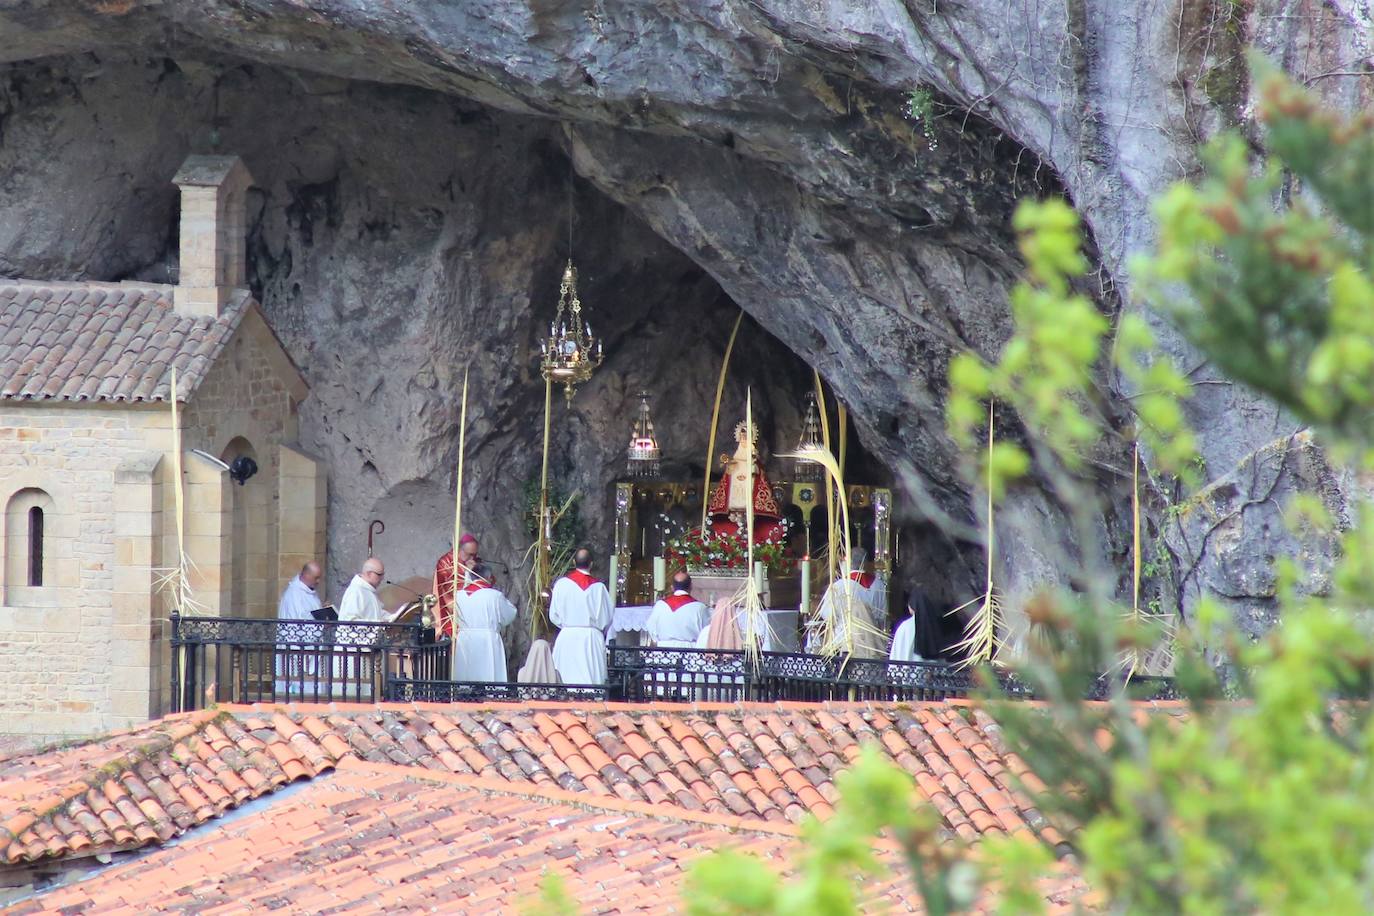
[{"x": 730, "y": 497}]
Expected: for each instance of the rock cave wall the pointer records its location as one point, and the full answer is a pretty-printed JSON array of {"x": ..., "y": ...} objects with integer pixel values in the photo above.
[
  {"x": 397, "y": 237},
  {"x": 764, "y": 140}
]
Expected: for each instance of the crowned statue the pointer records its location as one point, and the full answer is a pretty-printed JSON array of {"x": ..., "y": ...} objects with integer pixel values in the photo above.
[{"x": 730, "y": 497}]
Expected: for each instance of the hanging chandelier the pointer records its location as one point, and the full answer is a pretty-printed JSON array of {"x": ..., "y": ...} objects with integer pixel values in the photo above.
[
  {"x": 643, "y": 454},
  {"x": 570, "y": 353},
  {"x": 805, "y": 469}
]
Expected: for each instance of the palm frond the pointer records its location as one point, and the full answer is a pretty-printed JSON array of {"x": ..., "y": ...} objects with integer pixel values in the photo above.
[
  {"x": 174, "y": 582},
  {"x": 835, "y": 634},
  {"x": 982, "y": 640},
  {"x": 560, "y": 558}
]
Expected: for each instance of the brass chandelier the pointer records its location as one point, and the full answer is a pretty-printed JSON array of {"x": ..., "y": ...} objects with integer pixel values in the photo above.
[{"x": 570, "y": 353}]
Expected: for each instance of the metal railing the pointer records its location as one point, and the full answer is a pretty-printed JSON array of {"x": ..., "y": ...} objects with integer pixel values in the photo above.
[
  {"x": 252, "y": 660},
  {"x": 638, "y": 673},
  {"x": 701, "y": 675},
  {"x": 410, "y": 690}
]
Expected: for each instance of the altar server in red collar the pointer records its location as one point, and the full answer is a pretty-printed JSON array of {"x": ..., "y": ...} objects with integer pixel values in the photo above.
[
  {"x": 478, "y": 652},
  {"x": 677, "y": 620},
  {"x": 581, "y": 607}
]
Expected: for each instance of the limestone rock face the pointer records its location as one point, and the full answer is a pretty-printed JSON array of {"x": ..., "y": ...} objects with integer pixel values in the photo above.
[{"x": 407, "y": 223}]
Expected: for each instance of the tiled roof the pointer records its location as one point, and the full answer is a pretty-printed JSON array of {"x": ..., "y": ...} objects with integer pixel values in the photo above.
[
  {"x": 386, "y": 837},
  {"x": 104, "y": 341},
  {"x": 140, "y": 787},
  {"x": 771, "y": 763}
]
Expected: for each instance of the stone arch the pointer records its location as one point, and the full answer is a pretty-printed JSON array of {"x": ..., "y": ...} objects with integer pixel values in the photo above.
[
  {"x": 29, "y": 555},
  {"x": 250, "y": 563}
]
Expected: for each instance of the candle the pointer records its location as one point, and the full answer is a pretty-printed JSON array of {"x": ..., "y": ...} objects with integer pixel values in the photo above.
[
  {"x": 615, "y": 580},
  {"x": 660, "y": 575},
  {"x": 806, "y": 586},
  {"x": 758, "y": 575}
]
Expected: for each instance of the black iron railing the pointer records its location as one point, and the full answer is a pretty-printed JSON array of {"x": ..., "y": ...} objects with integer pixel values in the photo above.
[
  {"x": 248, "y": 660},
  {"x": 701, "y": 675},
  {"x": 251, "y": 660},
  {"x": 410, "y": 690},
  {"x": 638, "y": 673}
]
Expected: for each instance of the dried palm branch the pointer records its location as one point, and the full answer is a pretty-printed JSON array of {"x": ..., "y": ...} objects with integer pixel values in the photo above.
[
  {"x": 829, "y": 486},
  {"x": 1131, "y": 658},
  {"x": 458, "y": 518},
  {"x": 750, "y": 601},
  {"x": 560, "y": 557},
  {"x": 715, "y": 420},
  {"x": 174, "y": 582},
  {"x": 983, "y": 634},
  {"x": 848, "y": 624}
]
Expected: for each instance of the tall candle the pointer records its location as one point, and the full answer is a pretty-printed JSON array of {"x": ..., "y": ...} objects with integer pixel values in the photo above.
[
  {"x": 615, "y": 580},
  {"x": 758, "y": 575},
  {"x": 660, "y": 575},
  {"x": 806, "y": 586}
]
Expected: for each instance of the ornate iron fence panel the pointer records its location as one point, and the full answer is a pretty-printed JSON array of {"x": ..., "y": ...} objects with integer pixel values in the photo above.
[
  {"x": 880, "y": 679},
  {"x": 795, "y": 676},
  {"x": 648, "y": 673},
  {"x": 410, "y": 690},
  {"x": 248, "y": 660}
]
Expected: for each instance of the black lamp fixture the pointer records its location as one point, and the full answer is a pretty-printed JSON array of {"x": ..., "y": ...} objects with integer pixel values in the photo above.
[{"x": 241, "y": 469}]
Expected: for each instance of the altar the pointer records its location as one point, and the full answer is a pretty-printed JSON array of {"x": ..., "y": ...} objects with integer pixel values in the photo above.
[
  {"x": 783, "y": 633},
  {"x": 750, "y": 521}
]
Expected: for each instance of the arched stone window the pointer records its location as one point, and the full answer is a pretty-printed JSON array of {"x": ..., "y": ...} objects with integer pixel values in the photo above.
[
  {"x": 35, "y": 546},
  {"x": 28, "y": 544}
]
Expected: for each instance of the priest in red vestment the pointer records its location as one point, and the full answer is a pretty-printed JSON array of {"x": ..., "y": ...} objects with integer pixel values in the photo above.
[{"x": 443, "y": 581}]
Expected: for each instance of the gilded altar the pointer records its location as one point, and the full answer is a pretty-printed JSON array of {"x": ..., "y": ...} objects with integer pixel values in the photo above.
[{"x": 649, "y": 515}]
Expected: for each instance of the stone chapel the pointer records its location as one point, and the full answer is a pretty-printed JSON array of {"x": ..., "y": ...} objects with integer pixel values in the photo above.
[{"x": 86, "y": 469}]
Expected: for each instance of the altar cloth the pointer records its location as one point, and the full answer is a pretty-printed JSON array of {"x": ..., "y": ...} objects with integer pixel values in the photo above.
[
  {"x": 631, "y": 617},
  {"x": 782, "y": 626}
]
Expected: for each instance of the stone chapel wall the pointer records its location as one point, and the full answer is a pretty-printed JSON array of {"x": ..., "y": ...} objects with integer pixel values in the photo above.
[
  {"x": 76, "y": 653},
  {"x": 88, "y": 651}
]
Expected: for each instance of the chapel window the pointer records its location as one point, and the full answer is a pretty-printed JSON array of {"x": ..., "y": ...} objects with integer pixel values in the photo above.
[
  {"x": 36, "y": 546},
  {"x": 28, "y": 546}
]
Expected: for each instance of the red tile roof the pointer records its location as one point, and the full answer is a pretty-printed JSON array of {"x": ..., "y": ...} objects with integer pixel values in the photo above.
[
  {"x": 398, "y": 838},
  {"x": 766, "y": 763},
  {"x": 104, "y": 341}
]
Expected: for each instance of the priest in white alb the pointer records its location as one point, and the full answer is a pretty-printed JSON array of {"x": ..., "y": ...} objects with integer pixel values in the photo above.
[
  {"x": 300, "y": 598},
  {"x": 857, "y": 628},
  {"x": 297, "y": 601},
  {"x": 677, "y": 620},
  {"x": 478, "y": 652},
  {"x": 580, "y": 606},
  {"x": 360, "y": 601}
]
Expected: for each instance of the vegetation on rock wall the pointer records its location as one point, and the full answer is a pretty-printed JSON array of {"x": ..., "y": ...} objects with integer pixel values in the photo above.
[{"x": 1255, "y": 806}]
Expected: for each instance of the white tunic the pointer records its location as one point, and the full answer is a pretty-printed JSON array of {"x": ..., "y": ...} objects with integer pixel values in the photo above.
[
  {"x": 868, "y": 641},
  {"x": 677, "y": 628},
  {"x": 904, "y": 643},
  {"x": 297, "y": 601},
  {"x": 579, "y": 653},
  {"x": 360, "y": 602},
  {"x": 478, "y": 653},
  {"x": 877, "y": 596}
]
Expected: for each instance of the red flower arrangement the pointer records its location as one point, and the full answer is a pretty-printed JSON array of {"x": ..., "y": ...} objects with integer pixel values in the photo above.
[{"x": 726, "y": 552}]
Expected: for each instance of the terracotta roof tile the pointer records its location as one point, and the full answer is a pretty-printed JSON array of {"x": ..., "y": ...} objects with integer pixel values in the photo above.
[
  {"x": 768, "y": 764},
  {"x": 104, "y": 341}
]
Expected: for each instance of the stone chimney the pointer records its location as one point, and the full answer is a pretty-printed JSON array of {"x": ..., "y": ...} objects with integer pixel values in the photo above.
[{"x": 212, "y": 232}]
